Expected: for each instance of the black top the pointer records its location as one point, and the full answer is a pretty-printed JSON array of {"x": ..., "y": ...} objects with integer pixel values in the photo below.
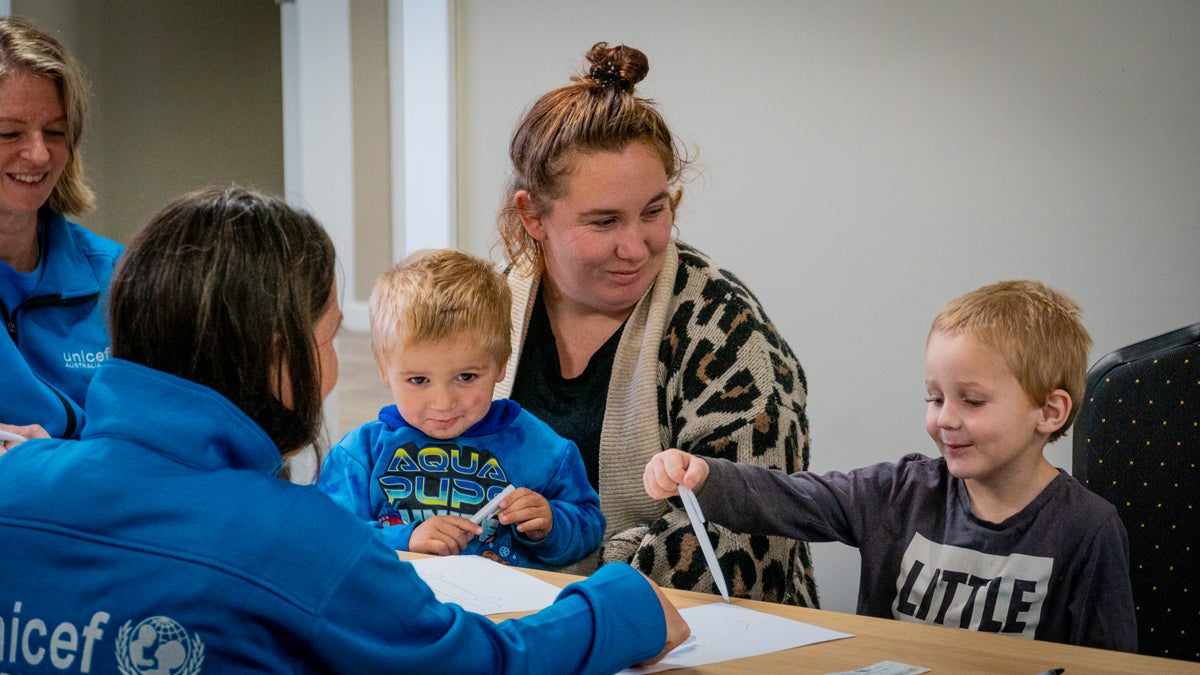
[{"x": 572, "y": 407}]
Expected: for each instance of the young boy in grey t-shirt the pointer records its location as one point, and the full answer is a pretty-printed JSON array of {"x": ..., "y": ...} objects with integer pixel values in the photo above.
[{"x": 988, "y": 537}]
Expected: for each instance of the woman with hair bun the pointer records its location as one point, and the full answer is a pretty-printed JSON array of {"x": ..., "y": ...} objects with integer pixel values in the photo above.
[{"x": 629, "y": 341}]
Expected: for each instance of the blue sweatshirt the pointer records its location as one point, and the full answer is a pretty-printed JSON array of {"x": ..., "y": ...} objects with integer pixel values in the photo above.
[
  {"x": 393, "y": 475},
  {"x": 163, "y": 539},
  {"x": 54, "y": 318}
]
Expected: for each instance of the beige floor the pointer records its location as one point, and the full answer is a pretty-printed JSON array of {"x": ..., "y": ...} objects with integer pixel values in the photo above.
[
  {"x": 359, "y": 395},
  {"x": 360, "y": 391}
]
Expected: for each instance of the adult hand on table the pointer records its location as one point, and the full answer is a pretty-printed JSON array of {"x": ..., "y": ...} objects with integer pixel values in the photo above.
[
  {"x": 677, "y": 628},
  {"x": 24, "y": 433}
]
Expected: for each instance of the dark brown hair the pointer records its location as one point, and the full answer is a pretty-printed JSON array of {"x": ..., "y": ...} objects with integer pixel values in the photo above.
[
  {"x": 598, "y": 112},
  {"x": 224, "y": 287}
]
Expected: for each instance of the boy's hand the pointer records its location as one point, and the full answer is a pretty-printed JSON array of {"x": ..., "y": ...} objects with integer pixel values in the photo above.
[
  {"x": 529, "y": 512},
  {"x": 443, "y": 535},
  {"x": 669, "y": 469}
]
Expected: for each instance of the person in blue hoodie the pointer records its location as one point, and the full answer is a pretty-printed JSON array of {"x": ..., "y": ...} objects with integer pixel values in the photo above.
[
  {"x": 440, "y": 334},
  {"x": 164, "y": 538},
  {"x": 53, "y": 273}
]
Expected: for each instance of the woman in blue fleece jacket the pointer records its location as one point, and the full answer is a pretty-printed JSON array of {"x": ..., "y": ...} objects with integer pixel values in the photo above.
[
  {"x": 164, "y": 538},
  {"x": 53, "y": 273}
]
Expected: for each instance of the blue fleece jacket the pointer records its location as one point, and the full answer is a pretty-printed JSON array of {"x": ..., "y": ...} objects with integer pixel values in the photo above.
[
  {"x": 393, "y": 475},
  {"x": 54, "y": 316},
  {"x": 163, "y": 539}
]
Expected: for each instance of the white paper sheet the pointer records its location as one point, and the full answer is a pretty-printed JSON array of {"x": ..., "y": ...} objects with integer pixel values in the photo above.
[
  {"x": 886, "y": 668},
  {"x": 721, "y": 632},
  {"x": 484, "y": 586}
]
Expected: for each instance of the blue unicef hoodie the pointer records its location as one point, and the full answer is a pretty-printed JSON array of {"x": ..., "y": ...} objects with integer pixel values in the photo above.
[
  {"x": 390, "y": 473},
  {"x": 163, "y": 540},
  {"x": 57, "y": 338}
]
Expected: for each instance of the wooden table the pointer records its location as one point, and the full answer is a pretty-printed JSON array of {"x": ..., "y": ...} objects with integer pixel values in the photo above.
[{"x": 942, "y": 650}]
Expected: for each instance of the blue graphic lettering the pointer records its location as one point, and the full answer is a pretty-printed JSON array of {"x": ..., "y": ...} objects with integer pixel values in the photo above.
[
  {"x": 465, "y": 492},
  {"x": 401, "y": 461},
  {"x": 465, "y": 461},
  {"x": 441, "y": 475},
  {"x": 397, "y": 488},
  {"x": 433, "y": 459},
  {"x": 440, "y": 498},
  {"x": 492, "y": 471}
]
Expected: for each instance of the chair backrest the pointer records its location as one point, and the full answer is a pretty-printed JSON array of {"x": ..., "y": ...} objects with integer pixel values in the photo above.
[{"x": 1137, "y": 444}]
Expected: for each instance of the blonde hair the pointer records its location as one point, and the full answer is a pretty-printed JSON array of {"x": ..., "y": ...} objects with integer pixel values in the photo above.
[
  {"x": 598, "y": 112},
  {"x": 437, "y": 294},
  {"x": 1036, "y": 329},
  {"x": 25, "y": 49}
]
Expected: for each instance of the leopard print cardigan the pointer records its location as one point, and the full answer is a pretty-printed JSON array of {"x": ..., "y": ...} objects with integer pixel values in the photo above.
[{"x": 701, "y": 368}]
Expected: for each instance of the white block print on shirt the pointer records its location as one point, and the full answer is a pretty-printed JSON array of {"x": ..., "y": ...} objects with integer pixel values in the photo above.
[{"x": 953, "y": 586}]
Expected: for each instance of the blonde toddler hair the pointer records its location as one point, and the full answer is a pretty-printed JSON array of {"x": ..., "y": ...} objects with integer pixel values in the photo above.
[{"x": 440, "y": 294}]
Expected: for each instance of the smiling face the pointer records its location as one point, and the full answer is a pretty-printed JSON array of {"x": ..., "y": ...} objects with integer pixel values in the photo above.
[
  {"x": 981, "y": 419},
  {"x": 33, "y": 145},
  {"x": 604, "y": 240},
  {"x": 442, "y": 387}
]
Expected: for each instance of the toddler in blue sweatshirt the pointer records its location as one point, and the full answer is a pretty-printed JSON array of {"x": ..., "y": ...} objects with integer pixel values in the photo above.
[{"x": 441, "y": 335}]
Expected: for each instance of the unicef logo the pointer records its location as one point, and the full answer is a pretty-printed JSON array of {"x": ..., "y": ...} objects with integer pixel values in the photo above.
[{"x": 158, "y": 646}]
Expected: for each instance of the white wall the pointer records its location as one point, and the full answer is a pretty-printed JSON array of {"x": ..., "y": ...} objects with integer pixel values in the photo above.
[
  {"x": 184, "y": 95},
  {"x": 862, "y": 163}
]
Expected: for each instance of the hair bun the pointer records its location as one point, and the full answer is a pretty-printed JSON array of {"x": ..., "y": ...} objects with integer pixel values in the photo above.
[{"x": 618, "y": 67}]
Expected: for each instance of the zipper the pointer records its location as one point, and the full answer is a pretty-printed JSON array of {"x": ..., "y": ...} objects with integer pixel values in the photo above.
[
  {"x": 10, "y": 324},
  {"x": 55, "y": 300}
]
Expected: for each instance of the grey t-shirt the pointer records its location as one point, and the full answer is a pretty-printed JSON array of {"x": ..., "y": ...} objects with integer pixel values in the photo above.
[{"x": 1058, "y": 570}]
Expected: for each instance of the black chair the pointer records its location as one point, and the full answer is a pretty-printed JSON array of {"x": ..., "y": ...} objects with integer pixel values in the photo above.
[{"x": 1137, "y": 444}]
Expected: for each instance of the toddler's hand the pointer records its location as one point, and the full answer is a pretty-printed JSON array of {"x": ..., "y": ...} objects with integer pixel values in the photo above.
[
  {"x": 443, "y": 535},
  {"x": 529, "y": 512},
  {"x": 669, "y": 469}
]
